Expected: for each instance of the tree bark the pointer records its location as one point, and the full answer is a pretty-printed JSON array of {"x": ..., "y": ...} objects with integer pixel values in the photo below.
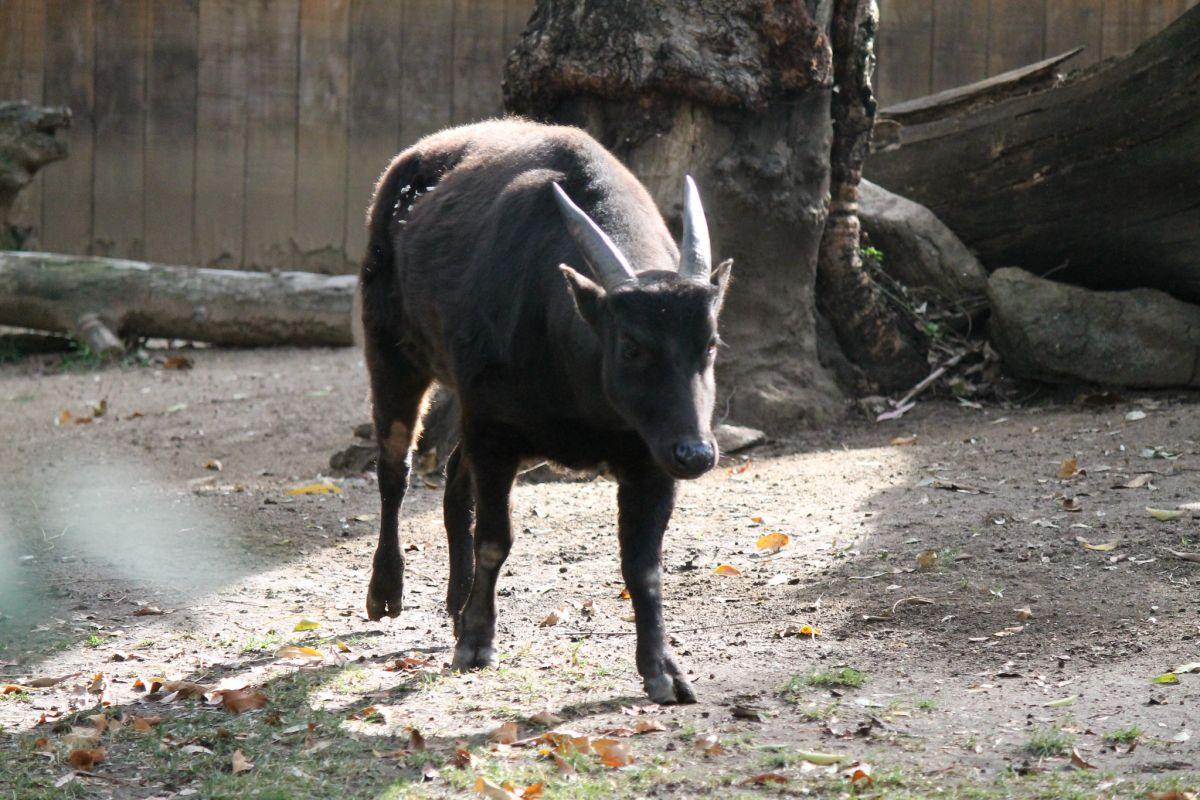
[
  {"x": 737, "y": 94},
  {"x": 868, "y": 329},
  {"x": 27, "y": 143},
  {"x": 1095, "y": 178},
  {"x": 97, "y": 299}
]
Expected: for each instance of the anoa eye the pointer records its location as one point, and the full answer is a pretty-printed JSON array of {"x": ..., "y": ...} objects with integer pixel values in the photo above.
[{"x": 631, "y": 351}]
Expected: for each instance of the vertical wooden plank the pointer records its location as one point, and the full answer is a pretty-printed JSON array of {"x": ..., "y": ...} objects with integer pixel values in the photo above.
[
  {"x": 960, "y": 40},
  {"x": 374, "y": 112},
  {"x": 119, "y": 216},
  {"x": 478, "y": 59},
  {"x": 27, "y": 213},
  {"x": 220, "y": 134},
  {"x": 171, "y": 131},
  {"x": 11, "y": 31},
  {"x": 1075, "y": 23},
  {"x": 905, "y": 49},
  {"x": 320, "y": 225},
  {"x": 1016, "y": 34},
  {"x": 516, "y": 15},
  {"x": 271, "y": 83},
  {"x": 67, "y": 191},
  {"x": 1115, "y": 30},
  {"x": 427, "y": 68}
]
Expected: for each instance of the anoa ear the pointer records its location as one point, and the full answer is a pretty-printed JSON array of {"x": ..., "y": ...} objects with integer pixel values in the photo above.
[
  {"x": 587, "y": 294},
  {"x": 720, "y": 279}
]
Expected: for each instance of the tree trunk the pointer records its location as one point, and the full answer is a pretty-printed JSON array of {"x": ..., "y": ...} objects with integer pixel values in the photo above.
[
  {"x": 95, "y": 299},
  {"x": 737, "y": 94},
  {"x": 868, "y": 329},
  {"x": 1095, "y": 178},
  {"x": 27, "y": 143}
]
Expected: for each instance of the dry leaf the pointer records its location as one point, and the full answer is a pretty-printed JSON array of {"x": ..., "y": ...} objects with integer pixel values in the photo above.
[
  {"x": 1136, "y": 482},
  {"x": 416, "y": 741},
  {"x": 1171, "y": 794},
  {"x": 648, "y": 726},
  {"x": 181, "y": 689},
  {"x": 613, "y": 753},
  {"x": 148, "y": 611},
  {"x": 820, "y": 759},
  {"x": 1185, "y": 668},
  {"x": 1071, "y": 504},
  {"x": 505, "y": 734},
  {"x": 86, "y": 758},
  {"x": 236, "y": 701},
  {"x": 463, "y": 758},
  {"x": 1103, "y": 548},
  {"x": 488, "y": 789},
  {"x": 316, "y": 488},
  {"x": 555, "y": 617},
  {"x": 1163, "y": 514},
  {"x": 1078, "y": 761},
  {"x": 1069, "y": 468},
  {"x": 772, "y": 541},
  {"x": 44, "y": 683},
  {"x": 727, "y": 569},
  {"x": 624, "y": 595},
  {"x": 341, "y": 646},
  {"x": 143, "y": 724},
  {"x": 240, "y": 763},
  {"x": 213, "y": 464},
  {"x": 177, "y": 362},
  {"x": 1024, "y": 612},
  {"x": 306, "y": 625},
  {"x": 708, "y": 744},
  {"x": 413, "y": 662},
  {"x": 766, "y": 777},
  {"x": 1166, "y": 677},
  {"x": 860, "y": 773},
  {"x": 927, "y": 559},
  {"x": 298, "y": 651},
  {"x": 1181, "y": 555},
  {"x": 13, "y": 688},
  {"x": 904, "y": 441}
]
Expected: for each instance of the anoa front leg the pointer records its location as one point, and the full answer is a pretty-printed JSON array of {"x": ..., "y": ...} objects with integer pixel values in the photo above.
[{"x": 645, "y": 499}]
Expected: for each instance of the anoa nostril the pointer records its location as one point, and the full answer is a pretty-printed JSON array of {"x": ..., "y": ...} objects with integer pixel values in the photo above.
[{"x": 694, "y": 455}]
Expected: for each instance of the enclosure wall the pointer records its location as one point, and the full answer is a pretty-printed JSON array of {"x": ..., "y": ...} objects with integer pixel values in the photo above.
[{"x": 248, "y": 133}]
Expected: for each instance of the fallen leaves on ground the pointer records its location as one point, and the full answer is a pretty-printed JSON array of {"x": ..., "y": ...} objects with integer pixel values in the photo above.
[
  {"x": 708, "y": 744},
  {"x": 324, "y": 487},
  {"x": 904, "y": 441},
  {"x": 765, "y": 778},
  {"x": 46, "y": 682},
  {"x": 306, "y": 625},
  {"x": 506, "y": 791},
  {"x": 148, "y": 611},
  {"x": 1102, "y": 547},
  {"x": 1078, "y": 761},
  {"x": 85, "y": 758},
  {"x": 177, "y": 362},
  {"x": 1165, "y": 678},
  {"x": 1068, "y": 469},
  {"x": 927, "y": 559},
  {"x": 1164, "y": 514},
  {"x": 1171, "y": 794},
  {"x": 773, "y": 542},
  {"x": 555, "y": 617},
  {"x": 239, "y": 762},
  {"x": 237, "y": 701},
  {"x": 408, "y": 663},
  {"x": 798, "y": 630},
  {"x": 505, "y": 734},
  {"x": 727, "y": 569},
  {"x": 1137, "y": 481},
  {"x": 299, "y": 651},
  {"x": 613, "y": 753},
  {"x": 820, "y": 759}
]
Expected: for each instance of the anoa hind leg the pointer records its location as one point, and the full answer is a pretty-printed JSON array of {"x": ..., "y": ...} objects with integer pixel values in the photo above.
[{"x": 398, "y": 389}]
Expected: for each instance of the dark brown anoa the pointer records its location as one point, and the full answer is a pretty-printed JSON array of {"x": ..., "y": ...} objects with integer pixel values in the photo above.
[{"x": 479, "y": 241}]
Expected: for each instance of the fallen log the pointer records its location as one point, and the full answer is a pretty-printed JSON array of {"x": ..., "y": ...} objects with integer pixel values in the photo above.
[
  {"x": 99, "y": 300},
  {"x": 1095, "y": 177}
]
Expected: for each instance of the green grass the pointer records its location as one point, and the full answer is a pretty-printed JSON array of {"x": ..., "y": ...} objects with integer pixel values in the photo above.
[
  {"x": 847, "y": 677},
  {"x": 94, "y": 640},
  {"x": 1047, "y": 742},
  {"x": 1123, "y": 735},
  {"x": 268, "y": 641}
]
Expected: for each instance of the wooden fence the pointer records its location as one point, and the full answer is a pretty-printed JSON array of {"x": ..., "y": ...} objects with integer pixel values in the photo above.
[
  {"x": 248, "y": 133},
  {"x": 241, "y": 132},
  {"x": 926, "y": 46}
]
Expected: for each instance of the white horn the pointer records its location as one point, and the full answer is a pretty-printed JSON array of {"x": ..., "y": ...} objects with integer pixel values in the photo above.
[
  {"x": 695, "y": 258},
  {"x": 606, "y": 262}
]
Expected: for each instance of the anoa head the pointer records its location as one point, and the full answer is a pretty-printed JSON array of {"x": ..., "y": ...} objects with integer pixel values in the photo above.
[{"x": 658, "y": 334}]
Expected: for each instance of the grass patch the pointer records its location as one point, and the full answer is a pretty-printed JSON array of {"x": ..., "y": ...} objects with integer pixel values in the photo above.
[
  {"x": 1123, "y": 735},
  {"x": 847, "y": 677},
  {"x": 258, "y": 644},
  {"x": 1047, "y": 742}
]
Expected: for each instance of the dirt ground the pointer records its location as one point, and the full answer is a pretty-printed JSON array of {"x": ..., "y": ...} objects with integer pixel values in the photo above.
[{"x": 987, "y": 639}]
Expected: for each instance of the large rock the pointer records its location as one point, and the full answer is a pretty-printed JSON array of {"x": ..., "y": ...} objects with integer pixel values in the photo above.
[
  {"x": 1063, "y": 334},
  {"x": 918, "y": 250}
]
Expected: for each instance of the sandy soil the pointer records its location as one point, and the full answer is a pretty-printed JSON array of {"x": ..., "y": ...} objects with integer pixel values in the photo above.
[{"x": 992, "y": 640}]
